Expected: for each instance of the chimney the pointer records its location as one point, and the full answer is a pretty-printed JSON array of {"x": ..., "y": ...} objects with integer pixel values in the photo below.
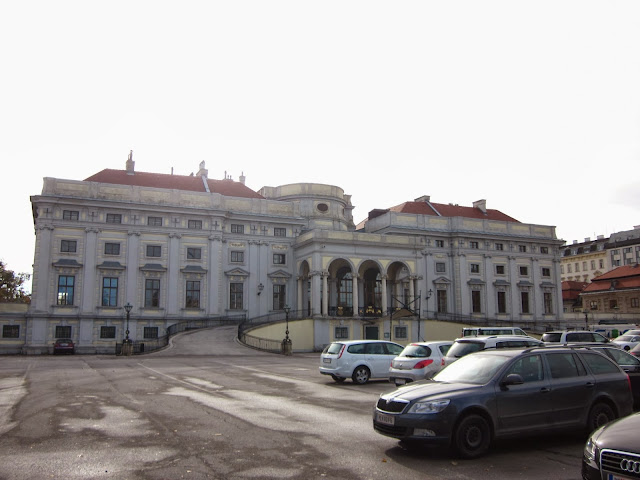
[
  {"x": 481, "y": 205},
  {"x": 130, "y": 163},
  {"x": 424, "y": 198},
  {"x": 203, "y": 172},
  {"x": 242, "y": 178},
  {"x": 588, "y": 239}
]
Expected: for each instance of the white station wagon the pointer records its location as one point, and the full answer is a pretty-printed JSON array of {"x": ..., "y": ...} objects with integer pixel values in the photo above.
[{"x": 359, "y": 360}]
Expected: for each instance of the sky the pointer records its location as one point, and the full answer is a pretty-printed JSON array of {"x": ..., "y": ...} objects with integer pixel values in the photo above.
[{"x": 531, "y": 105}]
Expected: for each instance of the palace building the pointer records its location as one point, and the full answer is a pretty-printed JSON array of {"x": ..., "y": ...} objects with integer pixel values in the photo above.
[{"x": 179, "y": 248}]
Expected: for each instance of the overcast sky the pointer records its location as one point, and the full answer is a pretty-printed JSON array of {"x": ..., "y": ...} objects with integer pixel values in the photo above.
[{"x": 533, "y": 106}]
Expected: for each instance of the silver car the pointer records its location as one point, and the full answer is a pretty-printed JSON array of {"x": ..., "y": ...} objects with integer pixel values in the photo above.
[
  {"x": 418, "y": 361},
  {"x": 359, "y": 360}
]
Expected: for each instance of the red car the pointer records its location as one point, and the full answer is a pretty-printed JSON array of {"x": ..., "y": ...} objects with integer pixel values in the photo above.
[{"x": 64, "y": 345}]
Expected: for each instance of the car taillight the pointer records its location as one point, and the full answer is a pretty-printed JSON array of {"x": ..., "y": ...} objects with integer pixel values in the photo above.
[
  {"x": 442, "y": 362},
  {"x": 423, "y": 363},
  {"x": 341, "y": 350}
]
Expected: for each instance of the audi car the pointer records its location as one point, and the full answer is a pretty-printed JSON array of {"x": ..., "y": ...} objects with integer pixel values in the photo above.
[{"x": 613, "y": 451}]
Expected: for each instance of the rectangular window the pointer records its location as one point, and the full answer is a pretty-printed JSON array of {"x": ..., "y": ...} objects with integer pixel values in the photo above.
[
  {"x": 593, "y": 305},
  {"x": 524, "y": 271},
  {"x": 65, "y": 289},
  {"x": 109, "y": 292},
  {"x": 577, "y": 267},
  {"x": 500, "y": 246},
  {"x": 546, "y": 272},
  {"x": 569, "y": 268},
  {"x": 279, "y": 259},
  {"x": 440, "y": 243},
  {"x": 441, "y": 299},
  {"x": 522, "y": 248},
  {"x": 474, "y": 245},
  {"x": 476, "y": 304},
  {"x": 341, "y": 333},
  {"x": 500, "y": 269},
  {"x": 154, "y": 221},
  {"x": 194, "y": 224},
  {"x": 237, "y": 257},
  {"x": 235, "y": 228},
  {"x": 584, "y": 266},
  {"x": 635, "y": 302},
  {"x": 235, "y": 296},
  {"x": 11, "y": 331},
  {"x": 63, "y": 331},
  {"x": 524, "y": 301},
  {"x": 107, "y": 332},
  {"x": 72, "y": 215},
  {"x": 544, "y": 250},
  {"x": 400, "y": 332},
  {"x": 112, "y": 248},
  {"x": 194, "y": 253},
  {"x": 68, "y": 246},
  {"x": 154, "y": 251},
  {"x": 150, "y": 332},
  {"x": 441, "y": 267},
  {"x": 593, "y": 264},
  {"x": 193, "y": 294},
  {"x": 613, "y": 303},
  {"x": 114, "y": 218},
  {"x": 502, "y": 302},
  {"x": 475, "y": 268},
  {"x": 279, "y": 232},
  {"x": 152, "y": 293},
  {"x": 548, "y": 303},
  {"x": 562, "y": 269},
  {"x": 279, "y": 297}
]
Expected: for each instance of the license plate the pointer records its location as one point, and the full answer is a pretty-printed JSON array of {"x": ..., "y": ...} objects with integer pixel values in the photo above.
[
  {"x": 384, "y": 418},
  {"x": 616, "y": 477},
  {"x": 400, "y": 381},
  {"x": 326, "y": 360}
]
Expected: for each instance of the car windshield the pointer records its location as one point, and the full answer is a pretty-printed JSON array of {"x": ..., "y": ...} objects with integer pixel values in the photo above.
[
  {"x": 474, "y": 369},
  {"x": 460, "y": 349},
  {"x": 416, "y": 351},
  {"x": 334, "y": 348},
  {"x": 551, "y": 337}
]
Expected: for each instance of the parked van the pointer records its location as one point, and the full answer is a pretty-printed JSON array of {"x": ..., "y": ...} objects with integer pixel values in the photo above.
[{"x": 477, "y": 331}]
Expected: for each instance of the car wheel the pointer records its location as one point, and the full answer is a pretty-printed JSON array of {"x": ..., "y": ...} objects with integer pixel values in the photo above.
[
  {"x": 472, "y": 436},
  {"x": 627, "y": 348},
  {"x": 600, "y": 414},
  {"x": 337, "y": 379},
  {"x": 361, "y": 375}
]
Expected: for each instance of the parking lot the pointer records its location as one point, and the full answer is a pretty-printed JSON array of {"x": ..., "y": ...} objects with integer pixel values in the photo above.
[{"x": 207, "y": 407}]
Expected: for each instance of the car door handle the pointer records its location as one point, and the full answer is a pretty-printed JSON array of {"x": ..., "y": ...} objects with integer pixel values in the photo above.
[
  {"x": 589, "y": 385},
  {"x": 545, "y": 390}
]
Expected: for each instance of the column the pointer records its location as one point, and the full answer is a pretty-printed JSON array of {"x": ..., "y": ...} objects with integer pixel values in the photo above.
[
  {"x": 300, "y": 286},
  {"x": 325, "y": 294},
  {"x": 174, "y": 277},
  {"x": 384, "y": 305},
  {"x": 355, "y": 296}
]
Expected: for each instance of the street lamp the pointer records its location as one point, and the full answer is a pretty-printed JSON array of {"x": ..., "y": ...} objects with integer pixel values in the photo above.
[
  {"x": 127, "y": 308},
  {"x": 426, "y": 298},
  {"x": 286, "y": 343},
  {"x": 586, "y": 318}
]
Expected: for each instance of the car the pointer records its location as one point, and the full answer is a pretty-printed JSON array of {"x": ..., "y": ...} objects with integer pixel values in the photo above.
[
  {"x": 573, "y": 336},
  {"x": 635, "y": 351},
  {"x": 613, "y": 451},
  {"x": 500, "y": 393},
  {"x": 629, "y": 364},
  {"x": 466, "y": 345},
  {"x": 475, "y": 331},
  {"x": 626, "y": 341},
  {"x": 64, "y": 345},
  {"x": 360, "y": 360},
  {"x": 418, "y": 361}
]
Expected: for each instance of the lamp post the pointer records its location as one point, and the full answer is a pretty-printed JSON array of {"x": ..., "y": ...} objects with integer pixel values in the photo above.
[
  {"x": 127, "y": 308},
  {"x": 286, "y": 343},
  {"x": 586, "y": 319},
  {"x": 426, "y": 298}
]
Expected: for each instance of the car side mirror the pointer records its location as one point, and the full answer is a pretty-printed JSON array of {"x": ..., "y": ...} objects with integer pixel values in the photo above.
[{"x": 511, "y": 379}]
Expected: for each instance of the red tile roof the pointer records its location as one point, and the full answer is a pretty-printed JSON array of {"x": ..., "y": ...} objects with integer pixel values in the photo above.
[
  {"x": 191, "y": 183},
  {"x": 620, "y": 278},
  {"x": 448, "y": 210},
  {"x": 571, "y": 289}
]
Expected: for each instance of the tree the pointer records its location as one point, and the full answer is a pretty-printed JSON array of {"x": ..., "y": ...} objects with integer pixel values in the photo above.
[{"x": 11, "y": 285}]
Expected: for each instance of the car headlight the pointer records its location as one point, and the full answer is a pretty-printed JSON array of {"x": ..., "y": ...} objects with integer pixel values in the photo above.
[
  {"x": 429, "y": 406},
  {"x": 591, "y": 447}
]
